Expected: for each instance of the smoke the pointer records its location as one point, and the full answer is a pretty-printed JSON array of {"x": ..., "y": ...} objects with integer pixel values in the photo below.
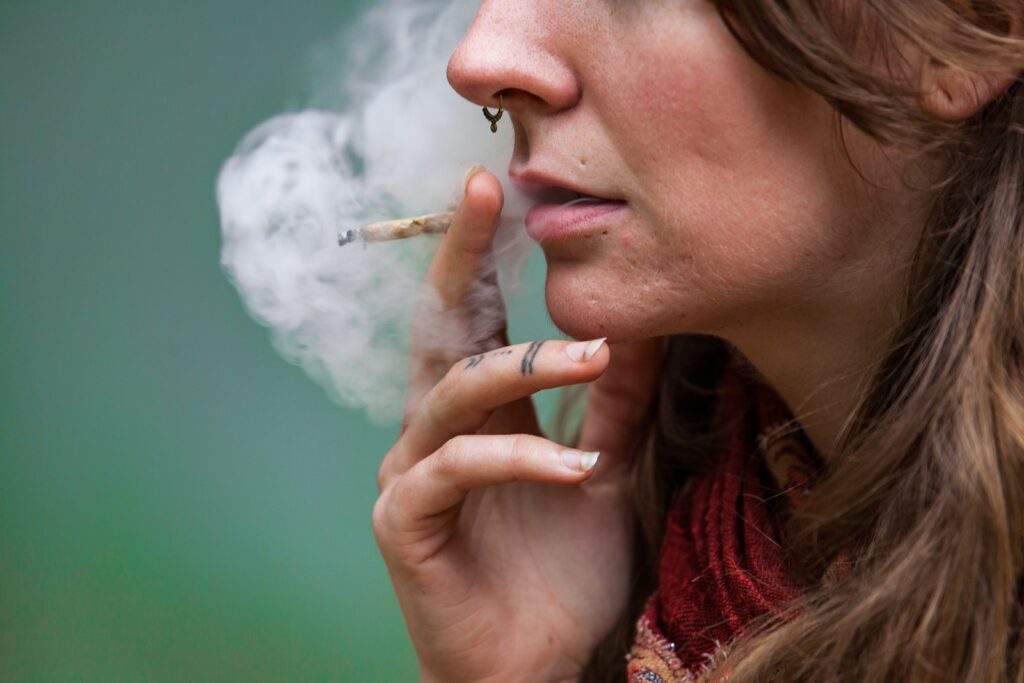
[{"x": 390, "y": 138}]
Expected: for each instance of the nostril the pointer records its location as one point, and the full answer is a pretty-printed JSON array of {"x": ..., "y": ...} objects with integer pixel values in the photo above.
[{"x": 506, "y": 95}]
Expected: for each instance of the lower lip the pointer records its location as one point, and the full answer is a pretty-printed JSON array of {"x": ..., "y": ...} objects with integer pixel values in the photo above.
[{"x": 547, "y": 222}]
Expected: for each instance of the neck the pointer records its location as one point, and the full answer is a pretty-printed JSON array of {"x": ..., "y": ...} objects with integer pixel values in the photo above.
[
  {"x": 822, "y": 356},
  {"x": 820, "y": 377}
]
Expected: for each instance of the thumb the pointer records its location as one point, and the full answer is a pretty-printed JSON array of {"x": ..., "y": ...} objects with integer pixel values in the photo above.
[
  {"x": 464, "y": 255},
  {"x": 459, "y": 311}
]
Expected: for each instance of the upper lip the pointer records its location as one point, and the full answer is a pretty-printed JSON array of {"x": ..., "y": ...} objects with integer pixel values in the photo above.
[{"x": 549, "y": 188}]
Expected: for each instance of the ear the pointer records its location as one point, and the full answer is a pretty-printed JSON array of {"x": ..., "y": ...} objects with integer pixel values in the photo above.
[{"x": 952, "y": 94}]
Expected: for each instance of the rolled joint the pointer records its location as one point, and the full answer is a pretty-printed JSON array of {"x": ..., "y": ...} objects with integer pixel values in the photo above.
[{"x": 399, "y": 229}]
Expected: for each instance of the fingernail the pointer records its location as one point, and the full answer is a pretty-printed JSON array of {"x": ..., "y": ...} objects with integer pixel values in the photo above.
[
  {"x": 584, "y": 350},
  {"x": 580, "y": 461},
  {"x": 473, "y": 170}
]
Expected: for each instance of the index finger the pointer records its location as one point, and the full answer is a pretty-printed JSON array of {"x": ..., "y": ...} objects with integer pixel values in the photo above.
[
  {"x": 462, "y": 402},
  {"x": 464, "y": 252}
]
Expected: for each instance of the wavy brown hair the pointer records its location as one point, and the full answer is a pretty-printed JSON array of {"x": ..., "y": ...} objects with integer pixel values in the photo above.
[{"x": 925, "y": 496}]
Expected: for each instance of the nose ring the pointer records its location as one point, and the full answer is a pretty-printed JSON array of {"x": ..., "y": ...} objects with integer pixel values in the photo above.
[{"x": 494, "y": 118}]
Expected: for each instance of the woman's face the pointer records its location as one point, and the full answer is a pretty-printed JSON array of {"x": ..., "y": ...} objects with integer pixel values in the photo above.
[{"x": 742, "y": 208}]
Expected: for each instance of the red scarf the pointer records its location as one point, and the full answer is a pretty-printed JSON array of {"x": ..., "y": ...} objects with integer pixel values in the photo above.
[{"x": 721, "y": 560}]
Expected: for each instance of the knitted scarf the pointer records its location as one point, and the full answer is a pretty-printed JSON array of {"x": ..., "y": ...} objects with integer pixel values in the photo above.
[{"x": 721, "y": 561}]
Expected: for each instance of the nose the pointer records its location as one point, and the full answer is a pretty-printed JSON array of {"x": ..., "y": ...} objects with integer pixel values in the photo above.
[{"x": 512, "y": 49}]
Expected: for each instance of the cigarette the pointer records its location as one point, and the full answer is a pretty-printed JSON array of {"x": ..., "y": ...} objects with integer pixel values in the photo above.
[{"x": 385, "y": 231}]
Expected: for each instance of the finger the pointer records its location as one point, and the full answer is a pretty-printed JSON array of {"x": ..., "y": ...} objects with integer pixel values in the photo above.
[
  {"x": 460, "y": 310},
  {"x": 620, "y": 400},
  {"x": 464, "y": 253},
  {"x": 441, "y": 481},
  {"x": 474, "y": 387}
]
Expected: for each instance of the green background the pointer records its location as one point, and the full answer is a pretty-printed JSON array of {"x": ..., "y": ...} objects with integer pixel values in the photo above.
[{"x": 176, "y": 502}]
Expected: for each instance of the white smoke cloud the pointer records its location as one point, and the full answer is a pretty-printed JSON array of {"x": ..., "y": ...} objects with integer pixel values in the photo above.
[{"x": 396, "y": 142}]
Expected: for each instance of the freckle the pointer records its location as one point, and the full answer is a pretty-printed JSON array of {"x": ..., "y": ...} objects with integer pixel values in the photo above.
[
  {"x": 583, "y": 161},
  {"x": 604, "y": 232}
]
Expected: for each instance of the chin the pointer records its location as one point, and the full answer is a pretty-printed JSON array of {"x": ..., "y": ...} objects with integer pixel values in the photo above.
[
  {"x": 589, "y": 302},
  {"x": 578, "y": 325},
  {"x": 584, "y": 308}
]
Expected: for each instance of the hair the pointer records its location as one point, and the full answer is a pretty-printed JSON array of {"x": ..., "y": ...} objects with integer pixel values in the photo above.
[{"x": 924, "y": 496}]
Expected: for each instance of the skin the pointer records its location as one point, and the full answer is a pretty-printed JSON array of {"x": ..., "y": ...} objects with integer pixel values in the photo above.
[
  {"x": 745, "y": 220},
  {"x": 479, "y": 514}
]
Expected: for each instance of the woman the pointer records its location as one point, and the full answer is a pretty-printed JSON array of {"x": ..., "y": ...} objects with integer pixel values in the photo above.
[{"x": 809, "y": 410}]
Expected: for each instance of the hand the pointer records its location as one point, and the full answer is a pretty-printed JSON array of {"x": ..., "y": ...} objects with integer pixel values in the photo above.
[{"x": 509, "y": 554}]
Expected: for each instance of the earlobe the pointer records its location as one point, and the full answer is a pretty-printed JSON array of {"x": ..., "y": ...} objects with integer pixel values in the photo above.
[{"x": 952, "y": 94}]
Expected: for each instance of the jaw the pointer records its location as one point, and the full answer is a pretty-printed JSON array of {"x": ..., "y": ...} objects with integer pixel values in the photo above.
[{"x": 588, "y": 302}]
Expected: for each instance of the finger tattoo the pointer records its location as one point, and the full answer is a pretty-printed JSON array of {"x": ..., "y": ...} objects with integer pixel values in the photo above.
[
  {"x": 531, "y": 353},
  {"x": 476, "y": 360}
]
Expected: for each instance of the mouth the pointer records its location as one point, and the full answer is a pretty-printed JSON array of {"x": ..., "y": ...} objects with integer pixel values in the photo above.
[
  {"x": 563, "y": 210},
  {"x": 548, "y": 189},
  {"x": 552, "y": 194}
]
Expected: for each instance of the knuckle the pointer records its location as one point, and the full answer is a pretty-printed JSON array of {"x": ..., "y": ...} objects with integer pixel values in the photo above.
[
  {"x": 383, "y": 476},
  {"x": 386, "y": 471},
  {"x": 445, "y": 393},
  {"x": 379, "y": 518},
  {"x": 413, "y": 401},
  {"x": 450, "y": 457},
  {"x": 519, "y": 452}
]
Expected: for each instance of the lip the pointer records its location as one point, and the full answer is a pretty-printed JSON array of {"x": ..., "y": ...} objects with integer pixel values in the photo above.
[
  {"x": 549, "y": 222},
  {"x": 534, "y": 183},
  {"x": 552, "y": 218}
]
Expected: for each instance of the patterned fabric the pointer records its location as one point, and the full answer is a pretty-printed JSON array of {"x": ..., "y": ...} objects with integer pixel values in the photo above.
[{"x": 721, "y": 561}]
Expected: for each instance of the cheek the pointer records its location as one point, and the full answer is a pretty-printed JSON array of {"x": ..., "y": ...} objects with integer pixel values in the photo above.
[
  {"x": 733, "y": 168},
  {"x": 743, "y": 201}
]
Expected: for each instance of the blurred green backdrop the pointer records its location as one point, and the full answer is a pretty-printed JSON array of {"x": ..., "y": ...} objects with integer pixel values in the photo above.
[{"x": 176, "y": 502}]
